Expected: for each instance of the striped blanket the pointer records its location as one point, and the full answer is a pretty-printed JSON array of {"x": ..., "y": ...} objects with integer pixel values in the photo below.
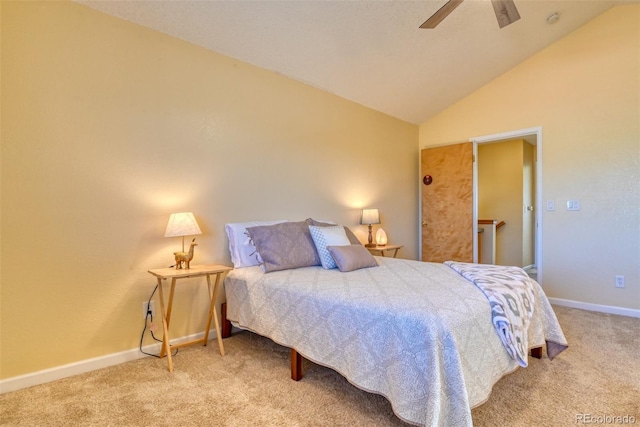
[{"x": 511, "y": 296}]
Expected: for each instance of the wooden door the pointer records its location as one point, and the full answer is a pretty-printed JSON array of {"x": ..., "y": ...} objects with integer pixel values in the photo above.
[{"x": 447, "y": 203}]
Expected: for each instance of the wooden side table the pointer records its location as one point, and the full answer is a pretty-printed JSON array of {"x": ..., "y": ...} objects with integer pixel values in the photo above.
[
  {"x": 195, "y": 271},
  {"x": 380, "y": 250}
]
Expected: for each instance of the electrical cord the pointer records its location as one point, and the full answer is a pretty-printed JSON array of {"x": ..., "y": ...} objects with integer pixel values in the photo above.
[{"x": 146, "y": 318}]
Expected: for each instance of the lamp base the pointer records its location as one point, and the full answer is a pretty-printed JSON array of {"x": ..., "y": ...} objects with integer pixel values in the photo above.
[
  {"x": 370, "y": 243},
  {"x": 183, "y": 259}
]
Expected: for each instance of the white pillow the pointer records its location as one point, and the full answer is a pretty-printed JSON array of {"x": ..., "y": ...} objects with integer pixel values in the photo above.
[
  {"x": 328, "y": 236},
  {"x": 240, "y": 246}
]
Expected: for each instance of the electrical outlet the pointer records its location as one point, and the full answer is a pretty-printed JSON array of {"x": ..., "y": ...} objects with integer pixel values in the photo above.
[
  {"x": 151, "y": 307},
  {"x": 619, "y": 281}
]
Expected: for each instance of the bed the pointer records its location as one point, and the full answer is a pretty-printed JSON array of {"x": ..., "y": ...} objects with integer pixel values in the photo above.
[{"x": 418, "y": 333}]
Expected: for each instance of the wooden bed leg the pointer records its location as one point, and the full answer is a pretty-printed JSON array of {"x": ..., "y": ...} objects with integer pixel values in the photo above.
[
  {"x": 296, "y": 365},
  {"x": 536, "y": 352},
  {"x": 226, "y": 325}
]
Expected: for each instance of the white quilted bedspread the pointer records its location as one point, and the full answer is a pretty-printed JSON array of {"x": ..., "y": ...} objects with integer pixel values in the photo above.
[{"x": 417, "y": 333}]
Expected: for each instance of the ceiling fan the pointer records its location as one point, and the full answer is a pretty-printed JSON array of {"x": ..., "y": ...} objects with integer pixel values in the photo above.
[{"x": 505, "y": 10}]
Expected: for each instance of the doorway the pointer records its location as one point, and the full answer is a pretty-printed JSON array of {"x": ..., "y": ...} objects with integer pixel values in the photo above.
[{"x": 531, "y": 261}]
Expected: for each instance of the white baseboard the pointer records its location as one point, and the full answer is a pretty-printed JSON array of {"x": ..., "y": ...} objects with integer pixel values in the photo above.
[
  {"x": 64, "y": 371},
  {"x": 610, "y": 309}
]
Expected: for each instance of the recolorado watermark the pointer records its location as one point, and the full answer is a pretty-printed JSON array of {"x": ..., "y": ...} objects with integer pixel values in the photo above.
[{"x": 605, "y": 419}]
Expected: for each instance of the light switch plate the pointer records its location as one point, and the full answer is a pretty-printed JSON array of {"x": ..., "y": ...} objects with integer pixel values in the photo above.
[{"x": 573, "y": 205}]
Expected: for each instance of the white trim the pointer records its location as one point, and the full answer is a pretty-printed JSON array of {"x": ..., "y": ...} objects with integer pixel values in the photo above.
[
  {"x": 64, "y": 371},
  {"x": 512, "y": 135},
  {"x": 474, "y": 200},
  {"x": 88, "y": 365},
  {"x": 420, "y": 202},
  {"x": 610, "y": 309}
]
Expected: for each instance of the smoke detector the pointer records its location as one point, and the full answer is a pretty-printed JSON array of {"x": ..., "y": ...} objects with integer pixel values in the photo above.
[{"x": 553, "y": 18}]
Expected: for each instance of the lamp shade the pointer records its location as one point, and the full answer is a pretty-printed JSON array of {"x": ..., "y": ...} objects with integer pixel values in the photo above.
[
  {"x": 370, "y": 216},
  {"x": 182, "y": 224}
]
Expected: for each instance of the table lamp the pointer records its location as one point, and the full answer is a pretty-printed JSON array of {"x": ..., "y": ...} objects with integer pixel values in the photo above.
[
  {"x": 370, "y": 216},
  {"x": 182, "y": 224},
  {"x": 381, "y": 237}
]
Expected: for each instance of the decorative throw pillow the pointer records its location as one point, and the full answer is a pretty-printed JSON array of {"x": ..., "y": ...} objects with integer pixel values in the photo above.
[
  {"x": 352, "y": 237},
  {"x": 283, "y": 246},
  {"x": 352, "y": 257},
  {"x": 328, "y": 236},
  {"x": 240, "y": 247}
]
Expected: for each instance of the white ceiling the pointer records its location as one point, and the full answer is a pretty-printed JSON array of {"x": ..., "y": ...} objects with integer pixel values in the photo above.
[{"x": 368, "y": 51}]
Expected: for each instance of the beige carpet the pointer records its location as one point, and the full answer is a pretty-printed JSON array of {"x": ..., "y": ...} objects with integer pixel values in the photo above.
[{"x": 599, "y": 375}]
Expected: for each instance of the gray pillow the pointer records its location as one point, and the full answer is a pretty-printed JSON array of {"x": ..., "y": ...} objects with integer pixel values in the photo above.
[
  {"x": 352, "y": 237},
  {"x": 284, "y": 246},
  {"x": 352, "y": 257}
]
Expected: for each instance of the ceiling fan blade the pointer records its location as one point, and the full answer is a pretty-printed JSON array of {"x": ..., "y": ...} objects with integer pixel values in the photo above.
[
  {"x": 506, "y": 12},
  {"x": 442, "y": 13}
]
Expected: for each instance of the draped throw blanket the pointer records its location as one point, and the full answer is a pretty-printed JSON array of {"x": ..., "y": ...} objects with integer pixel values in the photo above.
[{"x": 511, "y": 297}]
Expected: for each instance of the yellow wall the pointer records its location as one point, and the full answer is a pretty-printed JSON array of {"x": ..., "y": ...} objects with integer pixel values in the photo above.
[
  {"x": 528, "y": 201},
  {"x": 500, "y": 195},
  {"x": 584, "y": 91},
  {"x": 108, "y": 127}
]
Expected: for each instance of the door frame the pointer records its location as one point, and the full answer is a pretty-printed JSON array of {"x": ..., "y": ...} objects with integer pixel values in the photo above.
[{"x": 521, "y": 133}]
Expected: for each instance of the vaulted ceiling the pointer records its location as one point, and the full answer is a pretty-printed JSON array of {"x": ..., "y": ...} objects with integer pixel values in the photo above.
[{"x": 369, "y": 51}]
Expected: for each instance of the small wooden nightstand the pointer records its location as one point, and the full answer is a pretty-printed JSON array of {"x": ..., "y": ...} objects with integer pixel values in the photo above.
[
  {"x": 175, "y": 274},
  {"x": 380, "y": 250}
]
